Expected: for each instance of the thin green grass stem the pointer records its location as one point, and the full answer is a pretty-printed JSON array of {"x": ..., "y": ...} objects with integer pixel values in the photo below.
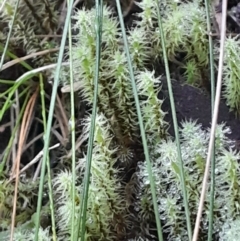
[
  {"x": 9, "y": 34},
  {"x": 50, "y": 192},
  {"x": 211, "y": 60},
  {"x": 142, "y": 129},
  {"x": 175, "y": 124},
  {"x": 50, "y": 118},
  {"x": 73, "y": 135},
  {"x": 83, "y": 208}
]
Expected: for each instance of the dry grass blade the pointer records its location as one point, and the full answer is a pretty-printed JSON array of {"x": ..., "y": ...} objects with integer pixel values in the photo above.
[
  {"x": 214, "y": 121},
  {"x": 4, "y": 126},
  {"x": 218, "y": 17},
  {"x": 15, "y": 140},
  {"x": 15, "y": 169},
  {"x": 32, "y": 55},
  {"x": 77, "y": 2},
  {"x": 63, "y": 10},
  {"x": 62, "y": 118},
  {"x": 35, "y": 160},
  {"x": 79, "y": 143}
]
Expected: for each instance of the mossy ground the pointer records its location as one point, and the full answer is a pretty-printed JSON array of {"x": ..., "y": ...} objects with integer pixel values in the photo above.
[{"x": 191, "y": 103}]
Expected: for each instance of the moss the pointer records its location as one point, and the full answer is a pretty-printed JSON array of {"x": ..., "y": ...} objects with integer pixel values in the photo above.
[{"x": 117, "y": 140}]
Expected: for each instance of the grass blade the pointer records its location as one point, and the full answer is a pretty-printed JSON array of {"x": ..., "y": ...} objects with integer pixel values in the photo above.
[
  {"x": 211, "y": 60},
  {"x": 50, "y": 193},
  {"x": 9, "y": 34},
  {"x": 214, "y": 121},
  {"x": 175, "y": 124},
  {"x": 143, "y": 134},
  {"x": 72, "y": 121},
  {"x": 50, "y": 117},
  {"x": 83, "y": 209}
]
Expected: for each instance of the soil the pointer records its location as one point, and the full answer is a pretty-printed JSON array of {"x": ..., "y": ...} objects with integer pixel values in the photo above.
[{"x": 195, "y": 103}]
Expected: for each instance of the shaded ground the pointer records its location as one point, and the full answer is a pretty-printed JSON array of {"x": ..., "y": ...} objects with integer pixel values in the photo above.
[{"x": 194, "y": 103}]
